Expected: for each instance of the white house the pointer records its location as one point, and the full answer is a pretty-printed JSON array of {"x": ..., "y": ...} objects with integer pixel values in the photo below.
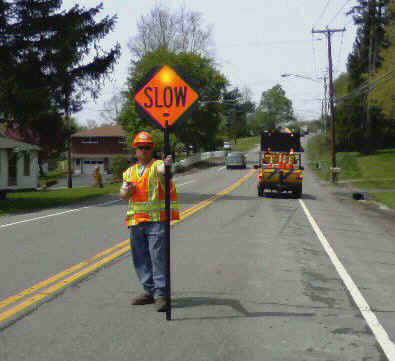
[{"x": 18, "y": 165}]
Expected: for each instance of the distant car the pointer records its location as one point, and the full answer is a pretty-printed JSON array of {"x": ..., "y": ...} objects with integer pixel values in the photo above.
[
  {"x": 227, "y": 146},
  {"x": 236, "y": 160},
  {"x": 189, "y": 148}
]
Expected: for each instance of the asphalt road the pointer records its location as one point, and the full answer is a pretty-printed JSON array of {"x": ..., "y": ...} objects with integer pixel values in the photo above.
[{"x": 251, "y": 280}]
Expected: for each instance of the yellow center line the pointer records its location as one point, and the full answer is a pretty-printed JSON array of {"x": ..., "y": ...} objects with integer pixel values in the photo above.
[
  {"x": 60, "y": 285},
  {"x": 10, "y": 300},
  {"x": 68, "y": 276},
  {"x": 45, "y": 283}
]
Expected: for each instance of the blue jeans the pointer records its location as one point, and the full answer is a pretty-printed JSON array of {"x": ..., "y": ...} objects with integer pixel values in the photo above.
[{"x": 149, "y": 256}]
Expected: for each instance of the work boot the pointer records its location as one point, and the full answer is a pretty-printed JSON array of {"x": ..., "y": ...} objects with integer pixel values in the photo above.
[
  {"x": 143, "y": 299},
  {"x": 162, "y": 304}
]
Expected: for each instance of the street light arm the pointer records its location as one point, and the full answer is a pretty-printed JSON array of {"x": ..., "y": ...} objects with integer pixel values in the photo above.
[{"x": 285, "y": 75}]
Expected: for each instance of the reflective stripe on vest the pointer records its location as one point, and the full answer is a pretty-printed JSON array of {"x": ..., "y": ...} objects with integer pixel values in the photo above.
[{"x": 148, "y": 201}]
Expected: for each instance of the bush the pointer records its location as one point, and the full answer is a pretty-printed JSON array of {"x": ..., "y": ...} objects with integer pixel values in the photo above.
[
  {"x": 179, "y": 147},
  {"x": 120, "y": 164},
  {"x": 50, "y": 183}
]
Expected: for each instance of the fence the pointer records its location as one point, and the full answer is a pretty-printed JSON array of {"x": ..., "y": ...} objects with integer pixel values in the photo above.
[{"x": 198, "y": 158}]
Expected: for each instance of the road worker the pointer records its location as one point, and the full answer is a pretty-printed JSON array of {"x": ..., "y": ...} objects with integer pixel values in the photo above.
[
  {"x": 144, "y": 186},
  {"x": 98, "y": 178}
]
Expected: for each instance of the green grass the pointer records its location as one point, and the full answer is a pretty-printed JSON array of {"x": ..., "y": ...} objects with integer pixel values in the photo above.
[
  {"x": 30, "y": 201},
  {"x": 378, "y": 169},
  {"x": 388, "y": 198},
  {"x": 375, "y": 171},
  {"x": 244, "y": 144},
  {"x": 318, "y": 156},
  {"x": 54, "y": 175}
]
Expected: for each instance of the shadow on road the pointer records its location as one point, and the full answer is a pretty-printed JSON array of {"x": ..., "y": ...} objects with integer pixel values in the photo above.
[
  {"x": 187, "y": 198},
  {"x": 185, "y": 302},
  {"x": 309, "y": 196},
  {"x": 277, "y": 195}
]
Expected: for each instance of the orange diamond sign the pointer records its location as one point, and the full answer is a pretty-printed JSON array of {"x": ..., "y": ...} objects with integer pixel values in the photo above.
[{"x": 165, "y": 97}]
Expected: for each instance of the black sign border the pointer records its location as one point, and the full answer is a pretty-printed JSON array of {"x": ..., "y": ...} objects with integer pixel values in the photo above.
[{"x": 147, "y": 78}]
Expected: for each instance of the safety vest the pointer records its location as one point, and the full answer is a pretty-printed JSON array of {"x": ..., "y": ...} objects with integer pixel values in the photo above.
[{"x": 147, "y": 203}]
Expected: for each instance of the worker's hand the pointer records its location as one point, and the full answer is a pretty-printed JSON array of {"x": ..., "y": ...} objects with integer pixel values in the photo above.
[
  {"x": 127, "y": 189},
  {"x": 168, "y": 160}
]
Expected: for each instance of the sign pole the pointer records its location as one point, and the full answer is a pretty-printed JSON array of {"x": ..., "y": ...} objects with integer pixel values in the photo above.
[
  {"x": 167, "y": 223},
  {"x": 165, "y": 99}
]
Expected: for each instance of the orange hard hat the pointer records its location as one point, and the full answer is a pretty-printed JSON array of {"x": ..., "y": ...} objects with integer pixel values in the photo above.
[{"x": 143, "y": 138}]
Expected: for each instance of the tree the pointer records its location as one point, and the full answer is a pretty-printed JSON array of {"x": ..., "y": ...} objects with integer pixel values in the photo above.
[
  {"x": 73, "y": 76},
  {"x": 181, "y": 31},
  {"x": 274, "y": 108},
  {"x": 26, "y": 102},
  {"x": 45, "y": 72},
  {"x": 369, "y": 62},
  {"x": 370, "y": 17},
  {"x": 262, "y": 121},
  {"x": 383, "y": 94},
  {"x": 112, "y": 108},
  {"x": 201, "y": 128},
  {"x": 237, "y": 105}
]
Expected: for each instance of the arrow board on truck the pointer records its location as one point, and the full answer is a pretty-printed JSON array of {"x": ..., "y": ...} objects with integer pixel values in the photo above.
[{"x": 165, "y": 97}]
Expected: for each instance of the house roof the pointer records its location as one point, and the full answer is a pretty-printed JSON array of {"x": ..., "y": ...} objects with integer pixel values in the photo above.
[
  {"x": 104, "y": 131},
  {"x": 7, "y": 143},
  {"x": 30, "y": 137}
]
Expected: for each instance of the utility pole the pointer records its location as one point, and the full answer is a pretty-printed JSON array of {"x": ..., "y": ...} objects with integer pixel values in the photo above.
[
  {"x": 328, "y": 33},
  {"x": 69, "y": 167},
  {"x": 372, "y": 66},
  {"x": 325, "y": 105},
  {"x": 322, "y": 117}
]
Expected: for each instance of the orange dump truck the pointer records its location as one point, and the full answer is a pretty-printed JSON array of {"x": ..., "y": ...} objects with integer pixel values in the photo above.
[{"x": 280, "y": 163}]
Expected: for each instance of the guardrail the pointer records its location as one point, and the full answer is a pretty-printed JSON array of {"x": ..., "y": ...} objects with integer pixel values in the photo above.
[{"x": 187, "y": 162}]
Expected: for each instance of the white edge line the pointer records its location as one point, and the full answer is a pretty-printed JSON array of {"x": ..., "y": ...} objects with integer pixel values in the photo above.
[
  {"x": 56, "y": 214},
  {"x": 70, "y": 211},
  {"x": 378, "y": 330},
  {"x": 184, "y": 184},
  {"x": 221, "y": 168}
]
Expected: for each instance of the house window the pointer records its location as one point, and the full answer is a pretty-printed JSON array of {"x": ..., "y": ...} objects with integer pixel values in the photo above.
[
  {"x": 12, "y": 168},
  {"x": 122, "y": 140},
  {"x": 90, "y": 140},
  {"x": 78, "y": 161},
  {"x": 26, "y": 164}
]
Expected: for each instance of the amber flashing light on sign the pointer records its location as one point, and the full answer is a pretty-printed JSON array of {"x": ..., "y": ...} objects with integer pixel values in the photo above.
[{"x": 166, "y": 97}]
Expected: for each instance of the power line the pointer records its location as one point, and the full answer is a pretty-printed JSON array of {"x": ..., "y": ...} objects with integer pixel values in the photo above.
[
  {"x": 367, "y": 87},
  {"x": 382, "y": 82},
  {"x": 263, "y": 43},
  {"x": 315, "y": 69},
  {"x": 337, "y": 66},
  {"x": 322, "y": 13},
  {"x": 337, "y": 14}
]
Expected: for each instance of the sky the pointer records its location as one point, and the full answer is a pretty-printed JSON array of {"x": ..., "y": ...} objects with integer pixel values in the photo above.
[{"x": 254, "y": 43}]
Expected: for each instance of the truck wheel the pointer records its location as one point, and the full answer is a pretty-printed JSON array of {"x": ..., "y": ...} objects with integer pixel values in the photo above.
[{"x": 297, "y": 192}]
